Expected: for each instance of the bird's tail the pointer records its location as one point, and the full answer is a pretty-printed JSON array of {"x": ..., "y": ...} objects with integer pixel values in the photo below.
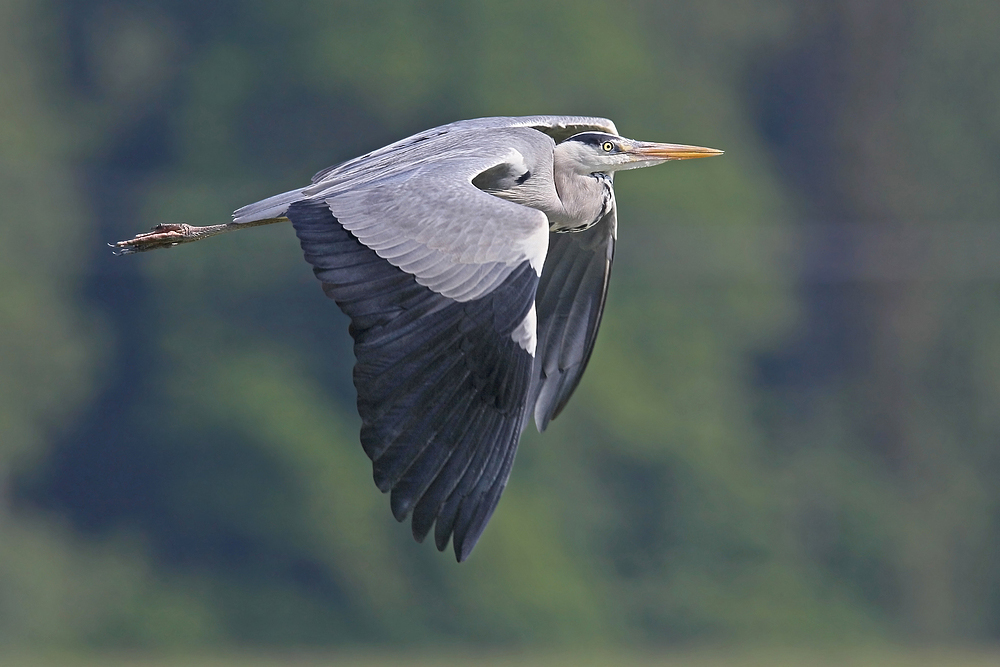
[{"x": 267, "y": 209}]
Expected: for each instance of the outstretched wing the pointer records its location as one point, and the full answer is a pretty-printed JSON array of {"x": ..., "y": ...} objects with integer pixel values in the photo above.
[
  {"x": 439, "y": 280},
  {"x": 570, "y": 302}
]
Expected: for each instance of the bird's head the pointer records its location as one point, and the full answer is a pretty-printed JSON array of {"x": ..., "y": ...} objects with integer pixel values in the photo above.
[{"x": 590, "y": 152}]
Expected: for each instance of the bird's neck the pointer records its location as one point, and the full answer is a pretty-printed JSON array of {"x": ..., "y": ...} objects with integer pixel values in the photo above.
[{"x": 584, "y": 199}]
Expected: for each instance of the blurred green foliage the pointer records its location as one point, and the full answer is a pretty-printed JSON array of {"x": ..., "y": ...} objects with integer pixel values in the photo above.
[{"x": 784, "y": 435}]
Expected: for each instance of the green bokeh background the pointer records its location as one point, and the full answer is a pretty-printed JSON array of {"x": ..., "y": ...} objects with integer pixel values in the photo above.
[{"x": 789, "y": 432}]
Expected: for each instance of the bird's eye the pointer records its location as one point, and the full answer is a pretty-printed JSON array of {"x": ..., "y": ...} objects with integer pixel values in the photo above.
[{"x": 608, "y": 146}]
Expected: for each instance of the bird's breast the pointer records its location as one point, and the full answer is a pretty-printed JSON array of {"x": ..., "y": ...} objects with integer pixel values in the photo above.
[{"x": 606, "y": 192}]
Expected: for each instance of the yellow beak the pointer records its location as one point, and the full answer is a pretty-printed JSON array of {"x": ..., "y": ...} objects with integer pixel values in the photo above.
[{"x": 648, "y": 149}]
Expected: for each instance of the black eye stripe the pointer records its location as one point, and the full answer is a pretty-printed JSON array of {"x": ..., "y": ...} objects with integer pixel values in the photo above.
[{"x": 596, "y": 139}]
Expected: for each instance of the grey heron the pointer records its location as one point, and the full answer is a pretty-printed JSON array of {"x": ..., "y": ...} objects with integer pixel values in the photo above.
[{"x": 473, "y": 262}]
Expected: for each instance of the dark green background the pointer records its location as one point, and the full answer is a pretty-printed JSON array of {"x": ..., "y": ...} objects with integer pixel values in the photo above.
[{"x": 789, "y": 429}]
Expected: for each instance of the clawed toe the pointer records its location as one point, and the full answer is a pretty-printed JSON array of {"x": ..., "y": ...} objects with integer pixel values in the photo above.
[{"x": 161, "y": 236}]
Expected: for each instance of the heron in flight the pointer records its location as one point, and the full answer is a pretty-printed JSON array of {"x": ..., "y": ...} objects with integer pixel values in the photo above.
[{"x": 473, "y": 261}]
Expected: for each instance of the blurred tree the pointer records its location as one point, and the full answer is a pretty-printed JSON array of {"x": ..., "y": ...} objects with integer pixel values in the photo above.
[
  {"x": 883, "y": 112},
  {"x": 54, "y": 587}
]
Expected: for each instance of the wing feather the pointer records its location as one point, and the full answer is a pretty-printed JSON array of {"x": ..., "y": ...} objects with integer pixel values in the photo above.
[
  {"x": 570, "y": 302},
  {"x": 438, "y": 208}
]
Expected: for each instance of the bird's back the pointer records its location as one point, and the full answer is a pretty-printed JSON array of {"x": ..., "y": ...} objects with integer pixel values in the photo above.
[{"x": 489, "y": 139}]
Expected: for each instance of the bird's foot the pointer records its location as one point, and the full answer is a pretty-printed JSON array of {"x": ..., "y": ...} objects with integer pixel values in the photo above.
[
  {"x": 161, "y": 236},
  {"x": 168, "y": 235},
  {"x": 174, "y": 233}
]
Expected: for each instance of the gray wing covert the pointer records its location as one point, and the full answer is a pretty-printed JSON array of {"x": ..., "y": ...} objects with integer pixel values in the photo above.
[
  {"x": 433, "y": 223},
  {"x": 570, "y": 302}
]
